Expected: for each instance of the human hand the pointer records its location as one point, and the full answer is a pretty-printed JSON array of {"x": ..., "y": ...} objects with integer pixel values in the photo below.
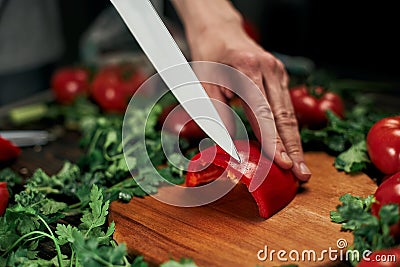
[{"x": 223, "y": 40}]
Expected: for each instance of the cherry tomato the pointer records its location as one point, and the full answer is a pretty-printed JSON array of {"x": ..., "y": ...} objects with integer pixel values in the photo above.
[
  {"x": 180, "y": 123},
  {"x": 383, "y": 144},
  {"x": 4, "y": 196},
  {"x": 310, "y": 106},
  {"x": 68, "y": 83},
  {"x": 277, "y": 190},
  {"x": 382, "y": 258},
  {"x": 388, "y": 193},
  {"x": 8, "y": 151},
  {"x": 113, "y": 86}
]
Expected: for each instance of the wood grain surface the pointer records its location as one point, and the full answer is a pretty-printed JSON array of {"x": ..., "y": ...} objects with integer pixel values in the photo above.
[{"x": 229, "y": 232}]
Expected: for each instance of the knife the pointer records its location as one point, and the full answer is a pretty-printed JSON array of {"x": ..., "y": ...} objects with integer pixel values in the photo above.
[
  {"x": 163, "y": 52},
  {"x": 26, "y": 138}
]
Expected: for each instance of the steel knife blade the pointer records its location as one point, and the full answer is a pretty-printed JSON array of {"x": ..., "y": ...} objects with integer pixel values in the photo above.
[{"x": 166, "y": 57}]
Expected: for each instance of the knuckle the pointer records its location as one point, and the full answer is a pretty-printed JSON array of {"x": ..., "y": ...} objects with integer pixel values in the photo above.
[
  {"x": 279, "y": 65},
  {"x": 263, "y": 112},
  {"x": 273, "y": 63},
  {"x": 247, "y": 60},
  {"x": 277, "y": 141},
  {"x": 269, "y": 60},
  {"x": 285, "y": 118},
  {"x": 293, "y": 149}
]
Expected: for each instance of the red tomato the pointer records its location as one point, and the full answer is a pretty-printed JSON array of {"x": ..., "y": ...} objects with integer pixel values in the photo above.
[
  {"x": 383, "y": 144},
  {"x": 310, "y": 108},
  {"x": 277, "y": 190},
  {"x": 382, "y": 258},
  {"x": 113, "y": 86},
  {"x": 8, "y": 150},
  {"x": 4, "y": 195},
  {"x": 68, "y": 83},
  {"x": 388, "y": 193},
  {"x": 180, "y": 122}
]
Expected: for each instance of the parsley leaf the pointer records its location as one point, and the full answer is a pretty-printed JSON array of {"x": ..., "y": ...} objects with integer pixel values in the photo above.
[
  {"x": 370, "y": 232},
  {"x": 97, "y": 215},
  {"x": 345, "y": 138},
  {"x": 354, "y": 159}
]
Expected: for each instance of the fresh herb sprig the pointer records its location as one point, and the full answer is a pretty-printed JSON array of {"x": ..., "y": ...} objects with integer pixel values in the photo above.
[
  {"x": 345, "y": 138},
  {"x": 40, "y": 212},
  {"x": 370, "y": 232}
]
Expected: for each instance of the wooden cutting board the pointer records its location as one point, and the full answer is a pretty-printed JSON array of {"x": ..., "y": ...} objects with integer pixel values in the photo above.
[{"x": 229, "y": 232}]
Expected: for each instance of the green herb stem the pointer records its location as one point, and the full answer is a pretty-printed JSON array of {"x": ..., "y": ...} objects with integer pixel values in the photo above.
[
  {"x": 40, "y": 233},
  {"x": 95, "y": 139},
  {"x": 72, "y": 259},
  {"x": 112, "y": 158},
  {"x": 58, "y": 249}
]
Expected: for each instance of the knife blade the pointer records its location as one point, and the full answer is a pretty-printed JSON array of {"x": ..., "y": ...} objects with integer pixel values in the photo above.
[
  {"x": 26, "y": 138},
  {"x": 163, "y": 52}
]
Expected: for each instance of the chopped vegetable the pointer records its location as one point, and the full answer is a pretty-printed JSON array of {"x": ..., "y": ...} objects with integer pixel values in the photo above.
[
  {"x": 278, "y": 188},
  {"x": 27, "y": 114}
]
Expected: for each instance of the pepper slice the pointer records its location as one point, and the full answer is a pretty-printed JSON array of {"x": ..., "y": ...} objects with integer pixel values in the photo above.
[
  {"x": 277, "y": 190},
  {"x": 8, "y": 150}
]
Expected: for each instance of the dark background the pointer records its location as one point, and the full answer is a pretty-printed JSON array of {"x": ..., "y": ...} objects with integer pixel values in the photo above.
[{"x": 352, "y": 38}]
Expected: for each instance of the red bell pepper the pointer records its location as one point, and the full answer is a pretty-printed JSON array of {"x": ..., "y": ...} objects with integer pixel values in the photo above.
[
  {"x": 4, "y": 196},
  {"x": 8, "y": 150},
  {"x": 277, "y": 190}
]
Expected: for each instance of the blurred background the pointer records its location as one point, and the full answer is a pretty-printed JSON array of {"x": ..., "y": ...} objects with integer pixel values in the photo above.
[{"x": 352, "y": 39}]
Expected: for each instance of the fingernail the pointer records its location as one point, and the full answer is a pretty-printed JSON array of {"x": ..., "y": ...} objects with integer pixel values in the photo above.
[
  {"x": 304, "y": 169},
  {"x": 285, "y": 157}
]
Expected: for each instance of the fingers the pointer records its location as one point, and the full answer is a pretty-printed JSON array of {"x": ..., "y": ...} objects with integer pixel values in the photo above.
[
  {"x": 258, "y": 111},
  {"x": 276, "y": 83},
  {"x": 268, "y": 108},
  {"x": 299, "y": 168}
]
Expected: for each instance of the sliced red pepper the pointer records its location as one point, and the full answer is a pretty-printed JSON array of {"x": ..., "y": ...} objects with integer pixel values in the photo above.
[
  {"x": 8, "y": 150},
  {"x": 4, "y": 196},
  {"x": 277, "y": 190}
]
